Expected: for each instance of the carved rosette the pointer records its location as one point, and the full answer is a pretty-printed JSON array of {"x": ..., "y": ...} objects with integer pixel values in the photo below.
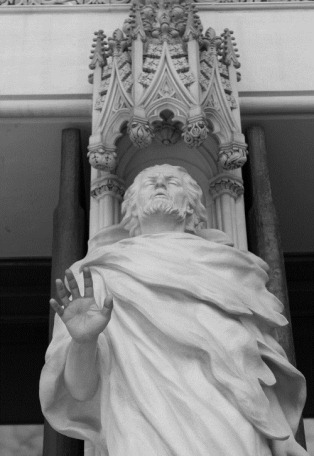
[
  {"x": 140, "y": 133},
  {"x": 110, "y": 184},
  {"x": 226, "y": 184},
  {"x": 102, "y": 158},
  {"x": 232, "y": 156},
  {"x": 195, "y": 132}
]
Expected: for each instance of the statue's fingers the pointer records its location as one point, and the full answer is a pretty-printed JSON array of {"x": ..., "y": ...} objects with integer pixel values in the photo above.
[
  {"x": 62, "y": 293},
  {"x": 75, "y": 292},
  {"x": 56, "y": 307},
  {"x": 88, "y": 283}
]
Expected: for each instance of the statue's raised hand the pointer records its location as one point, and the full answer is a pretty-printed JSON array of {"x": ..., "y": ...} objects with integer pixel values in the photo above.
[{"x": 82, "y": 317}]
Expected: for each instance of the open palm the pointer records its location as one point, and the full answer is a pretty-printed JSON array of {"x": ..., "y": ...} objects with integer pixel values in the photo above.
[{"x": 82, "y": 317}]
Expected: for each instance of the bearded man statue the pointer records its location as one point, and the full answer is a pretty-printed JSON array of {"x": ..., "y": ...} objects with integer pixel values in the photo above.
[{"x": 166, "y": 346}]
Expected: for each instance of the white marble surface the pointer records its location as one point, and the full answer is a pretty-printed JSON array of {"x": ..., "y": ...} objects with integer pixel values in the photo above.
[{"x": 27, "y": 440}]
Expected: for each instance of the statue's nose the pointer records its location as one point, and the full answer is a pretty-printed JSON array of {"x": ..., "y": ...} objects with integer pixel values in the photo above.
[{"x": 160, "y": 182}]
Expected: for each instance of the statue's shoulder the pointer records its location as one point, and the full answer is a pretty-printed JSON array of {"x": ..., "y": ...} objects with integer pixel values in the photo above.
[
  {"x": 107, "y": 236},
  {"x": 218, "y": 236}
]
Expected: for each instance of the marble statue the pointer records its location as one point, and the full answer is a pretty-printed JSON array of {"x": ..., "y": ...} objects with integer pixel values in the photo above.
[{"x": 166, "y": 346}]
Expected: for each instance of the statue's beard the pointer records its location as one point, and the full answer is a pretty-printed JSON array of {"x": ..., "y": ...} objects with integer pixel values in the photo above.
[{"x": 165, "y": 207}]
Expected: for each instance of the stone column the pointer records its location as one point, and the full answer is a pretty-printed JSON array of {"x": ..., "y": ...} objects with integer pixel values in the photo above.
[
  {"x": 264, "y": 235},
  {"x": 107, "y": 188},
  {"x": 225, "y": 190},
  {"x": 68, "y": 246},
  {"x": 106, "y": 194}
]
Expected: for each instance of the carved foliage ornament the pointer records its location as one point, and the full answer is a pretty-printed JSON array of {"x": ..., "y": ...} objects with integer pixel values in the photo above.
[
  {"x": 102, "y": 158},
  {"x": 140, "y": 133},
  {"x": 226, "y": 184},
  {"x": 232, "y": 156},
  {"x": 110, "y": 184},
  {"x": 195, "y": 132}
]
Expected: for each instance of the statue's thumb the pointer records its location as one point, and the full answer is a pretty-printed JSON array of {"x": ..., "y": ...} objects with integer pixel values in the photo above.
[{"x": 108, "y": 303}]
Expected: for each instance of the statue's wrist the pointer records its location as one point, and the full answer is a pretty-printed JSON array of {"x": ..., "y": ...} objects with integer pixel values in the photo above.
[{"x": 85, "y": 341}]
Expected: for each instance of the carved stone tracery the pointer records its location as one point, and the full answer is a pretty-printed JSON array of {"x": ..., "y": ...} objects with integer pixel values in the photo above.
[{"x": 161, "y": 60}]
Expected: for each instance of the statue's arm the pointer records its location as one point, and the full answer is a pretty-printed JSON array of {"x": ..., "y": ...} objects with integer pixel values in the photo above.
[
  {"x": 84, "y": 321},
  {"x": 81, "y": 373}
]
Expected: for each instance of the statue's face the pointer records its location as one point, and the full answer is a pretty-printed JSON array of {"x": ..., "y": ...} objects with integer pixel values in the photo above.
[{"x": 162, "y": 186}]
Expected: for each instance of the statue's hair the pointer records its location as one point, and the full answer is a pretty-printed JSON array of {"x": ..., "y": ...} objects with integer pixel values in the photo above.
[{"x": 194, "y": 194}]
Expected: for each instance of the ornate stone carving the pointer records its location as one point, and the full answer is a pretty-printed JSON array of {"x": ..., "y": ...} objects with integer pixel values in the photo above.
[
  {"x": 195, "y": 132},
  {"x": 102, "y": 158},
  {"x": 140, "y": 133},
  {"x": 232, "y": 156},
  {"x": 110, "y": 184},
  {"x": 211, "y": 44},
  {"x": 226, "y": 184},
  {"x": 147, "y": 68},
  {"x": 98, "y": 50},
  {"x": 4, "y": 3},
  {"x": 228, "y": 49}
]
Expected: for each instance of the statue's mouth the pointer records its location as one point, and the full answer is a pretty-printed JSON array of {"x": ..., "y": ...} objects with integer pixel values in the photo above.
[{"x": 160, "y": 194}]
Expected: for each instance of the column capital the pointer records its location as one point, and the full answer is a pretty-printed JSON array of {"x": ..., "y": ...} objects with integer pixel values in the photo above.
[
  {"x": 110, "y": 184},
  {"x": 102, "y": 157},
  {"x": 232, "y": 156},
  {"x": 226, "y": 183}
]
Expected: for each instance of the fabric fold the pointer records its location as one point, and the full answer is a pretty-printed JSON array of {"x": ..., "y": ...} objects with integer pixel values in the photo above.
[{"x": 187, "y": 356}]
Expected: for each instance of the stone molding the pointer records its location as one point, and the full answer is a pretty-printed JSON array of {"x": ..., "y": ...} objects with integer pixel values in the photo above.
[{"x": 78, "y": 3}]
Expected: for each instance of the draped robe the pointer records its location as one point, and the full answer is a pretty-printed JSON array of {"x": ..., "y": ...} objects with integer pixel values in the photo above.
[{"x": 188, "y": 362}]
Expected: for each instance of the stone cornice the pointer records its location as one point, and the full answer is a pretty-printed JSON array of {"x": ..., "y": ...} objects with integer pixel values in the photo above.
[{"x": 294, "y": 5}]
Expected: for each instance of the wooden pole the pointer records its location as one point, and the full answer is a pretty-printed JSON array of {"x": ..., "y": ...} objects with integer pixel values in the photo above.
[
  {"x": 264, "y": 236},
  {"x": 68, "y": 246}
]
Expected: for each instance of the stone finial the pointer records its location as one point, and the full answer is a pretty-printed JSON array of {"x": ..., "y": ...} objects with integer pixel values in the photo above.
[
  {"x": 228, "y": 50},
  {"x": 211, "y": 41},
  {"x": 98, "y": 54},
  {"x": 134, "y": 26},
  {"x": 193, "y": 28},
  {"x": 118, "y": 43}
]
